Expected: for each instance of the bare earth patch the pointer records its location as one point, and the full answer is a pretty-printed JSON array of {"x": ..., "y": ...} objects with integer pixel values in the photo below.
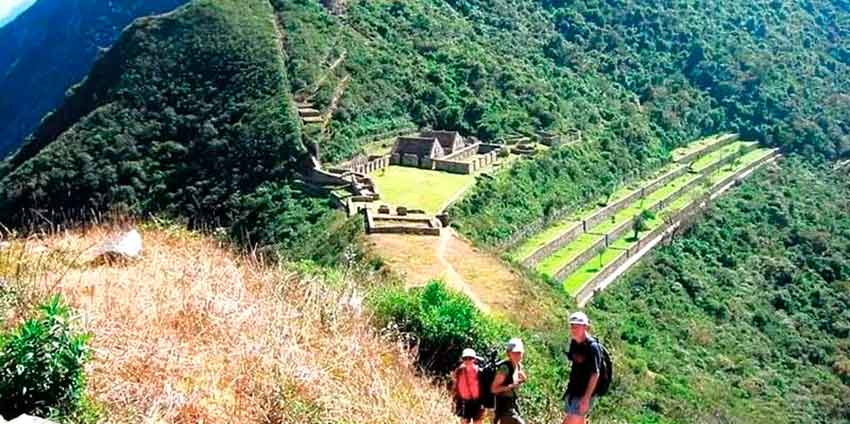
[{"x": 489, "y": 282}]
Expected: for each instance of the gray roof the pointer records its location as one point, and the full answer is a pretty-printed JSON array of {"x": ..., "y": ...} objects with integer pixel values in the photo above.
[
  {"x": 446, "y": 138},
  {"x": 419, "y": 146}
]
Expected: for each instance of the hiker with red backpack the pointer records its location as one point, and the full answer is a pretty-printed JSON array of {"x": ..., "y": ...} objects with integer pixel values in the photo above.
[
  {"x": 591, "y": 372},
  {"x": 465, "y": 380}
]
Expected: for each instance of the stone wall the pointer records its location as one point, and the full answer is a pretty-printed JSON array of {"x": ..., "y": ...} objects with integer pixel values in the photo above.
[
  {"x": 574, "y": 264},
  {"x": 544, "y": 251},
  {"x": 409, "y": 159},
  {"x": 664, "y": 179},
  {"x": 724, "y": 140},
  {"x": 611, "y": 209},
  {"x": 452, "y": 166},
  {"x": 373, "y": 164},
  {"x": 727, "y": 160},
  {"x": 462, "y": 154}
]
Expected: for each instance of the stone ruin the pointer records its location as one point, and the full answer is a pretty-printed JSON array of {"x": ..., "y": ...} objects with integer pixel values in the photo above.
[{"x": 443, "y": 151}]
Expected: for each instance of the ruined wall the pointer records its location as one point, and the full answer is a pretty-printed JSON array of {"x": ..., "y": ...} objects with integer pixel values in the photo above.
[
  {"x": 462, "y": 154},
  {"x": 452, "y": 166},
  {"x": 553, "y": 246},
  {"x": 724, "y": 140},
  {"x": 374, "y": 163},
  {"x": 574, "y": 264}
]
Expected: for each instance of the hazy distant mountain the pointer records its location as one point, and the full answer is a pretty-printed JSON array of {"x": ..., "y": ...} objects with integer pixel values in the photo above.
[
  {"x": 15, "y": 11},
  {"x": 51, "y": 46}
]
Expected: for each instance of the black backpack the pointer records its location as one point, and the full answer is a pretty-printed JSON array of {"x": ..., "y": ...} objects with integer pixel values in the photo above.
[
  {"x": 486, "y": 375},
  {"x": 606, "y": 374}
]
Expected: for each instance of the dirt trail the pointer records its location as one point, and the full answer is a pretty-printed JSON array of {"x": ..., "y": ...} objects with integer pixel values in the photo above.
[{"x": 489, "y": 282}]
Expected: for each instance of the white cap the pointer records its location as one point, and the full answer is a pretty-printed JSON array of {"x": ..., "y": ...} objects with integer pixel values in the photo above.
[
  {"x": 579, "y": 318},
  {"x": 468, "y": 353},
  {"x": 515, "y": 345}
]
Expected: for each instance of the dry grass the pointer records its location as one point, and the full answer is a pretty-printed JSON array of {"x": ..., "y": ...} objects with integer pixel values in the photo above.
[
  {"x": 491, "y": 284},
  {"x": 195, "y": 333}
]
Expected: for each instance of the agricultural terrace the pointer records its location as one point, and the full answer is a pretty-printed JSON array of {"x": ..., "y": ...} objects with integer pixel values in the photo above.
[
  {"x": 620, "y": 247},
  {"x": 416, "y": 188},
  {"x": 576, "y": 249}
]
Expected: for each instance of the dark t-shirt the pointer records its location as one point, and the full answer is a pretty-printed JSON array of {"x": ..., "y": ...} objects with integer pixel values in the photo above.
[{"x": 587, "y": 360}]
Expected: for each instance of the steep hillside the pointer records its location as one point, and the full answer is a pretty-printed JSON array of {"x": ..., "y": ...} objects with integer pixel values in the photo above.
[
  {"x": 628, "y": 80},
  {"x": 52, "y": 46},
  {"x": 746, "y": 317},
  {"x": 188, "y": 114},
  {"x": 193, "y": 332}
]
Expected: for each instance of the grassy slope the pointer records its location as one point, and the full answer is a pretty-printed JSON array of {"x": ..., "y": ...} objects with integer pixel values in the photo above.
[
  {"x": 194, "y": 332},
  {"x": 185, "y": 114}
]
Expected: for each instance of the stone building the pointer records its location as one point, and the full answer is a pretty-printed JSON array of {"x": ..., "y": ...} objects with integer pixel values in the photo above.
[
  {"x": 450, "y": 141},
  {"x": 420, "y": 151}
]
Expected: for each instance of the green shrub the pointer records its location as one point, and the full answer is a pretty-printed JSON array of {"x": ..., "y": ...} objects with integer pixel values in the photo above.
[
  {"x": 441, "y": 322},
  {"x": 41, "y": 364}
]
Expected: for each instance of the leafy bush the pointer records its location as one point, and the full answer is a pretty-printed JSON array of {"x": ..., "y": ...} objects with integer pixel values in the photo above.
[
  {"x": 441, "y": 322},
  {"x": 41, "y": 364}
]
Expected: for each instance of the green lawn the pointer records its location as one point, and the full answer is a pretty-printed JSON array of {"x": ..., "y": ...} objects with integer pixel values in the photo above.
[
  {"x": 419, "y": 188},
  {"x": 578, "y": 279}
]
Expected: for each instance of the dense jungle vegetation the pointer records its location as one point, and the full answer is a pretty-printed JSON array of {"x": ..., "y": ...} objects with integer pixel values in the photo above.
[
  {"x": 634, "y": 79},
  {"x": 188, "y": 115}
]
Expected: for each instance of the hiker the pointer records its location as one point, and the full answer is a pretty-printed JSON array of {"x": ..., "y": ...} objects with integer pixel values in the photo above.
[
  {"x": 587, "y": 361},
  {"x": 468, "y": 405},
  {"x": 509, "y": 376}
]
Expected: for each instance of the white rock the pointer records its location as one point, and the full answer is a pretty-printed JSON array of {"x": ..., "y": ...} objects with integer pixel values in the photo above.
[
  {"x": 29, "y": 419},
  {"x": 127, "y": 246}
]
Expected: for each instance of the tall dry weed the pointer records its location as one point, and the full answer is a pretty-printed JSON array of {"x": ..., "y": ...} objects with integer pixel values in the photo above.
[{"x": 193, "y": 332}]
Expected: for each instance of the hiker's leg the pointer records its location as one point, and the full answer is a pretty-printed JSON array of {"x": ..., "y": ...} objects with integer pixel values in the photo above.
[{"x": 571, "y": 407}]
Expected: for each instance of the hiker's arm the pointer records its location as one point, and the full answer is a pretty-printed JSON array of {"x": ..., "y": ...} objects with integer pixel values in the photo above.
[
  {"x": 591, "y": 387},
  {"x": 497, "y": 386}
]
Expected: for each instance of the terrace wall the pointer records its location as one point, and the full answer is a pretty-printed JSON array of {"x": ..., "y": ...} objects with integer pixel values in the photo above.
[
  {"x": 544, "y": 251},
  {"x": 727, "y": 160},
  {"x": 664, "y": 179},
  {"x": 592, "y": 286},
  {"x": 724, "y": 140},
  {"x": 601, "y": 215},
  {"x": 579, "y": 260}
]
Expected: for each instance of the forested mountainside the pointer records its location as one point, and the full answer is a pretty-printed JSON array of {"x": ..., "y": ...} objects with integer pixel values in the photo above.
[
  {"x": 193, "y": 115},
  {"x": 186, "y": 114},
  {"x": 634, "y": 78},
  {"x": 52, "y": 46}
]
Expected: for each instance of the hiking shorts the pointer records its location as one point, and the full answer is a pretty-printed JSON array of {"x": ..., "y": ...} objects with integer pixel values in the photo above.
[
  {"x": 469, "y": 409},
  {"x": 571, "y": 404}
]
